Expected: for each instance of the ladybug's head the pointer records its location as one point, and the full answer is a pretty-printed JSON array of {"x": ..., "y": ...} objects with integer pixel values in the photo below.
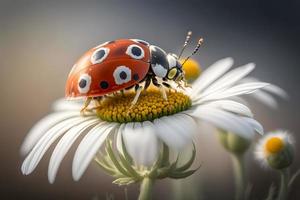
[{"x": 168, "y": 65}]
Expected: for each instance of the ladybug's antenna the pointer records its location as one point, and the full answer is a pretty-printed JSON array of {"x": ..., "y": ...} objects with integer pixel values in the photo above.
[
  {"x": 200, "y": 42},
  {"x": 187, "y": 39}
]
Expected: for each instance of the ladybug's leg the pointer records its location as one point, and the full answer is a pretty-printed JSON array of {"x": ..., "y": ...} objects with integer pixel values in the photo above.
[
  {"x": 138, "y": 90},
  {"x": 147, "y": 82},
  {"x": 129, "y": 88},
  {"x": 167, "y": 85},
  {"x": 161, "y": 88},
  {"x": 97, "y": 101},
  {"x": 86, "y": 104}
]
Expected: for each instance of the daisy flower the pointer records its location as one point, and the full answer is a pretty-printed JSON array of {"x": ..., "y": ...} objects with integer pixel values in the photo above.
[
  {"x": 275, "y": 150},
  {"x": 142, "y": 130}
]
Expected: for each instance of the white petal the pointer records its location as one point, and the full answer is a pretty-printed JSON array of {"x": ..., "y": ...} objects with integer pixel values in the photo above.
[
  {"x": 255, "y": 124},
  {"x": 239, "y": 100},
  {"x": 265, "y": 98},
  {"x": 64, "y": 145},
  {"x": 119, "y": 138},
  {"x": 245, "y": 88},
  {"x": 273, "y": 89},
  {"x": 231, "y": 106},
  {"x": 229, "y": 79},
  {"x": 141, "y": 142},
  {"x": 277, "y": 91},
  {"x": 212, "y": 73},
  {"x": 34, "y": 157},
  {"x": 89, "y": 146},
  {"x": 173, "y": 132},
  {"x": 224, "y": 120},
  {"x": 187, "y": 124},
  {"x": 39, "y": 129}
]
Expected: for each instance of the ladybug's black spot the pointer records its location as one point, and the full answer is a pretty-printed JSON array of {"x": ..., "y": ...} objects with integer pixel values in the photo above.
[
  {"x": 104, "y": 84},
  {"x": 99, "y": 54},
  {"x": 123, "y": 75},
  {"x": 82, "y": 83},
  {"x": 136, "y": 51},
  {"x": 135, "y": 77}
]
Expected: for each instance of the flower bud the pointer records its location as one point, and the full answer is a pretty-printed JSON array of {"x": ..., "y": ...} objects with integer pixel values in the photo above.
[
  {"x": 233, "y": 142},
  {"x": 276, "y": 150}
]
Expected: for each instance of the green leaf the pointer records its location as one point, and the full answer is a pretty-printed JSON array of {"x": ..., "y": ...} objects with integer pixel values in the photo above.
[
  {"x": 106, "y": 160},
  {"x": 129, "y": 167},
  {"x": 189, "y": 163},
  {"x": 163, "y": 172},
  {"x": 180, "y": 175},
  {"x": 124, "y": 181},
  {"x": 162, "y": 160},
  {"x": 165, "y": 156},
  {"x": 113, "y": 158},
  {"x": 106, "y": 168},
  {"x": 125, "y": 152},
  {"x": 162, "y": 157}
]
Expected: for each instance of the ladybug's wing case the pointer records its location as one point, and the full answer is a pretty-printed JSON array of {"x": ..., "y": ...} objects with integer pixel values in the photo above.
[{"x": 109, "y": 67}]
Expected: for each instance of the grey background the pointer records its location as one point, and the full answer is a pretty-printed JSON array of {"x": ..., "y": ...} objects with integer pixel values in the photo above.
[{"x": 40, "y": 41}]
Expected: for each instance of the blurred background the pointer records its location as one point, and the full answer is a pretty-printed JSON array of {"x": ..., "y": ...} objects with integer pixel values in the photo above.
[{"x": 41, "y": 40}]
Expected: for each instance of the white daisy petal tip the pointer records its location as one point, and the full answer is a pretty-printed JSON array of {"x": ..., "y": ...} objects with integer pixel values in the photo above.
[
  {"x": 275, "y": 150},
  {"x": 226, "y": 61},
  {"x": 41, "y": 127},
  {"x": 267, "y": 94}
]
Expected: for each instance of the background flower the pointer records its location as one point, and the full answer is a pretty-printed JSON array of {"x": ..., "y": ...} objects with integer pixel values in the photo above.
[{"x": 275, "y": 150}]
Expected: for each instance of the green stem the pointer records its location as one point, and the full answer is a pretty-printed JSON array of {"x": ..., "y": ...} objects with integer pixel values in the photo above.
[
  {"x": 146, "y": 189},
  {"x": 284, "y": 179},
  {"x": 239, "y": 175}
]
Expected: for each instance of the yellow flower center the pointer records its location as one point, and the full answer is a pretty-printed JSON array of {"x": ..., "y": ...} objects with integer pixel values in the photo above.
[
  {"x": 191, "y": 69},
  {"x": 274, "y": 145},
  {"x": 150, "y": 105}
]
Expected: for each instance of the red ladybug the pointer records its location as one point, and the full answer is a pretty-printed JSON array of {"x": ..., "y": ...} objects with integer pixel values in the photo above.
[{"x": 122, "y": 64}]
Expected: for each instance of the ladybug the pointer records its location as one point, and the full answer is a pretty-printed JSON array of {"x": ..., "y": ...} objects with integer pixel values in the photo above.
[{"x": 124, "y": 64}]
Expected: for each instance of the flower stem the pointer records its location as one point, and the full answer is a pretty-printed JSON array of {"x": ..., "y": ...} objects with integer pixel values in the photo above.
[
  {"x": 146, "y": 189},
  {"x": 283, "y": 192},
  {"x": 239, "y": 175}
]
